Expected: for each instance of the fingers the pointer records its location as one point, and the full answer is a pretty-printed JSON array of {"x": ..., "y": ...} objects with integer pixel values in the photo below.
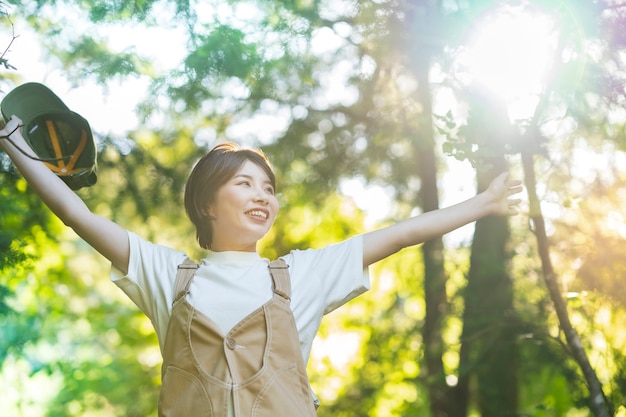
[
  {"x": 515, "y": 187},
  {"x": 12, "y": 125},
  {"x": 504, "y": 188},
  {"x": 14, "y": 121},
  {"x": 512, "y": 186},
  {"x": 503, "y": 180},
  {"x": 514, "y": 202}
]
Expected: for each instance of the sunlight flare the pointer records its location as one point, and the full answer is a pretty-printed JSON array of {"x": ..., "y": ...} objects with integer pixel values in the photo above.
[{"x": 511, "y": 54}]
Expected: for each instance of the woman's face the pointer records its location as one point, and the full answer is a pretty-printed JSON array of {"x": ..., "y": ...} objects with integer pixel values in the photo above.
[{"x": 244, "y": 210}]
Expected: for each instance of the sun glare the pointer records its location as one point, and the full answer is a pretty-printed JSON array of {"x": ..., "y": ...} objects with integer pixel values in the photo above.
[{"x": 511, "y": 53}]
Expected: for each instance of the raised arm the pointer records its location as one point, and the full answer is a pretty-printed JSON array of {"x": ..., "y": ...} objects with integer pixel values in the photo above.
[
  {"x": 495, "y": 200},
  {"x": 105, "y": 236}
]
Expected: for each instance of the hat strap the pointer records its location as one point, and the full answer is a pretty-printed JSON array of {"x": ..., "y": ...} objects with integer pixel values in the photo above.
[
  {"x": 23, "y": 152},
  {"x": 78, "y": 151},
  {"x": 55, "y": 143},
  {"x": 61, "y": 168}
]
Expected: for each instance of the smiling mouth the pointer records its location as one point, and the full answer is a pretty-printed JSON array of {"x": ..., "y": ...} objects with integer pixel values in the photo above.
[{"x": 258, "y": 213}]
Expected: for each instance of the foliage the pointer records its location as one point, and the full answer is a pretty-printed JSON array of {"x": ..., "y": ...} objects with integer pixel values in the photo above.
[{"x": 20, "y": 231}]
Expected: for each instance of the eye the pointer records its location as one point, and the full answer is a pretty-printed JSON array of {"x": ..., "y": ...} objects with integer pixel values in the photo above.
[
  {"x": 244, "y": 182},
  {"x": 269, "y": 190}
]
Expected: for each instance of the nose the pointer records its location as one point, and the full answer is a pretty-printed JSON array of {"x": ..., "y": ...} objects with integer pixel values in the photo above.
[{"x": 261, "y": 196}]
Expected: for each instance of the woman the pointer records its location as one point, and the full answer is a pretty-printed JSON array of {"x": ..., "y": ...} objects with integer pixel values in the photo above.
[{"x": 235, "y": 335}]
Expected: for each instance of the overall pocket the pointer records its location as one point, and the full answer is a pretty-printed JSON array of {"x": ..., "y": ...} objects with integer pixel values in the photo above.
[{"x": 183, "y": 395}]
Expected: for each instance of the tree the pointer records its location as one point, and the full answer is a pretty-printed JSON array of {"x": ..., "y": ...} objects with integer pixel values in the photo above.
[
  {"x": 16, "y": 233},
  {"x": 557, "y": 95}
]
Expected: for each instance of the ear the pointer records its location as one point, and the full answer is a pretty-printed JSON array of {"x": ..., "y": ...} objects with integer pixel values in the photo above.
[{"x": 207, "y": 212}]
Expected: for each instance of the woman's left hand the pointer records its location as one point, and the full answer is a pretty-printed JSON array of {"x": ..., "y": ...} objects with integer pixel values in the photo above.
[{"x": 500, "y": 190}]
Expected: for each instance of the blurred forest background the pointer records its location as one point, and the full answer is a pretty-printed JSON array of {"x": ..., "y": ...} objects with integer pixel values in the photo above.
[{"x": 371, "y": 111}]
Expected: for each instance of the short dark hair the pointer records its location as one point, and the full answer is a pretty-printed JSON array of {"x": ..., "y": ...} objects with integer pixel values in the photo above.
[{"x": 212, "y": 171}]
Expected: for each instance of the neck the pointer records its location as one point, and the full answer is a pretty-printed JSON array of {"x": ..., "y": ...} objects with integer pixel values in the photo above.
[{"x": 217, "y": 247}]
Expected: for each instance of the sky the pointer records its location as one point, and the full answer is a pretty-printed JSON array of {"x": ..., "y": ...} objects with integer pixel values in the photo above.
[{"x": 110, "y": 111}]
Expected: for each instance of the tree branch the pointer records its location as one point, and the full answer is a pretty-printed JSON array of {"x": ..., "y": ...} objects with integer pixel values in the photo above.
[
  {"x": 3, "y": 60},
  {"x": 598, "y": 402}
]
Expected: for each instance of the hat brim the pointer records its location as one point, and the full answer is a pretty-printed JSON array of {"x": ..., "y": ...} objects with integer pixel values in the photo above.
[{"x": 30, "y": 99}]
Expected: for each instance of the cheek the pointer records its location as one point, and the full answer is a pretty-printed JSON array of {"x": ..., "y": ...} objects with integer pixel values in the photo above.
[{"x": 275, "y": 205}]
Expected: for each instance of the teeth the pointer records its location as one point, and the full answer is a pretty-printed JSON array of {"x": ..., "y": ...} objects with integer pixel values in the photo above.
[{"x": 258, "y": 213}]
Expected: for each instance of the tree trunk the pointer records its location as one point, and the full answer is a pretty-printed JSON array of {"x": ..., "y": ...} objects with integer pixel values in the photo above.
[
  {"x": 489, "y": 353},
  {"x": 421, "y": 17},
  {"x": 434, "y": 288}
]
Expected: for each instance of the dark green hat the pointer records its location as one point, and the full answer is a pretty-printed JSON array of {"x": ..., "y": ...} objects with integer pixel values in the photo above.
[{"x": 61, "y": 138}]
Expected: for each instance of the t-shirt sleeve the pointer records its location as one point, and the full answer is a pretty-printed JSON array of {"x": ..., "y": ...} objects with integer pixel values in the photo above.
[
  {"x": 323, "y": 280},
  {"x": 333, "y": 275},
  {"x": 150, "y": 279}
]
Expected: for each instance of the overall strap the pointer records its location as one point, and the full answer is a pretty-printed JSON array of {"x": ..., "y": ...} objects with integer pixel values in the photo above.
[
  {"x": 185, "y": 273},
  {"x": 280, "y": 278}
]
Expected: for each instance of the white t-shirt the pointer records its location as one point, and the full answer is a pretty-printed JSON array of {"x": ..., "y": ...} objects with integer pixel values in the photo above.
[{"x": 230, "y": 285}]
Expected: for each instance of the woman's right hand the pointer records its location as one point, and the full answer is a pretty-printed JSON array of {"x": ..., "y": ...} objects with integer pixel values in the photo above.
[{"x": 13, "y": 125}]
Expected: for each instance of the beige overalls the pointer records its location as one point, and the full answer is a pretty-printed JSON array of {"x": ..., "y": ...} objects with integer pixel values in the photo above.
[{"x": 257, "y": 366}]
